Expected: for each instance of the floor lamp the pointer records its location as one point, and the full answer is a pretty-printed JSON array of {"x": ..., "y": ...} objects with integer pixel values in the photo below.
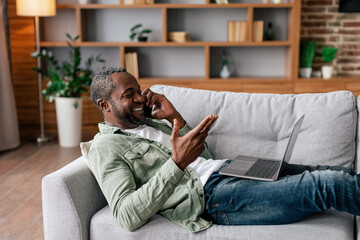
[{"x": 37, "y": 8}]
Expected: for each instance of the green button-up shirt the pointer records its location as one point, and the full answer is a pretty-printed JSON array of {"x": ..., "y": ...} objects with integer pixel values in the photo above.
[{"x": 139, "y": 179}]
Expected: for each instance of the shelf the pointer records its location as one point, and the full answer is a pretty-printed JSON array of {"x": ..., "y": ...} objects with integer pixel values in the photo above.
[
  {"x": 167, "y": 44},
  {"x": 245, "y": 79},
  {"x": 174, "y": 6},
  {"x": 333, "y": 79},
  {"x": 80, "y": 44},
  {"x": 230, "y": 79},
  {"x": 196, "y": 63}
]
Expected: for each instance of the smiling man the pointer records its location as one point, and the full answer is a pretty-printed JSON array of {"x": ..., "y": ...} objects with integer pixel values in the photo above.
[
  {"x": 145, "y": 166},
  {"x": 139, "y": 171}
]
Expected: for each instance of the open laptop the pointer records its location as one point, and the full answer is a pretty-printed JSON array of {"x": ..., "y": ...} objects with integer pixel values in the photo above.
[{"x": 262, "y": 168}]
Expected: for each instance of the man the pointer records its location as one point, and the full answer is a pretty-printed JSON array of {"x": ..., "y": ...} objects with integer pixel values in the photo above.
[{"x": 144, "y": 167}]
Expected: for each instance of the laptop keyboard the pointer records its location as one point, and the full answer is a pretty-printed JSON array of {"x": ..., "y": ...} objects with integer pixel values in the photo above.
[{"x": 263, "y": 168}]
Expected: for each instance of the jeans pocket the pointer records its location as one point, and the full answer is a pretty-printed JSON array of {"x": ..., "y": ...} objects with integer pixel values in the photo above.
[{"x": 220, "y": 218}]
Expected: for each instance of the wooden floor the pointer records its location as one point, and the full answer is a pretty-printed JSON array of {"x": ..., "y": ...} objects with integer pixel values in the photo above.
[{"x": 21, "y": 171}]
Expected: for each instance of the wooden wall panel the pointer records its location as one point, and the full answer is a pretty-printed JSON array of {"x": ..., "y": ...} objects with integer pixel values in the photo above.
[{"x": 22, "y": 43}]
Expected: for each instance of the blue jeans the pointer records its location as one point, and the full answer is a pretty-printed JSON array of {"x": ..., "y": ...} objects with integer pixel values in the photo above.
[{"x": 301, "y": 191}]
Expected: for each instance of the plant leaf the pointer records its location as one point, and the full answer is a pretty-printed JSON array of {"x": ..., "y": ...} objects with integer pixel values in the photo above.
[{"x": 135, "y": 27}]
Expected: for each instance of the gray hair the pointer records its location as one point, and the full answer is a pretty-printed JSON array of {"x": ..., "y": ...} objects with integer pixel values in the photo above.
[{"x": 102, "y": 84}]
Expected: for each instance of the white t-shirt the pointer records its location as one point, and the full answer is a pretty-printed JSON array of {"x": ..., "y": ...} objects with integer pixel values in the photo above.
[{"x": 203, "y": 167}]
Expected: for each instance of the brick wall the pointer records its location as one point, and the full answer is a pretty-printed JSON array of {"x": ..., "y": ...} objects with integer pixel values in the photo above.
[{"x": 322, "y": 22}]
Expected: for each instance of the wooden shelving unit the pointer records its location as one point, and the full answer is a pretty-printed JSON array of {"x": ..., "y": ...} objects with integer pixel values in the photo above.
[{"x": 284, "y": 49}]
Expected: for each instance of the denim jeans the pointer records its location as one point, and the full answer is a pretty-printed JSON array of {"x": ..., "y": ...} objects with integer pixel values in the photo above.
[{"x": 301, "y": 191}]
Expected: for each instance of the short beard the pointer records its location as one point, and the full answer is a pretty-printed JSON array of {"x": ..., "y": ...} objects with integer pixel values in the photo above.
[{"x": 127, "y": 117}]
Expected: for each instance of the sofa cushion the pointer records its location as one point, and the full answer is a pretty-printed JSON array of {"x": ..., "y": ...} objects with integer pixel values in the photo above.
[
  {"x": 260, "y": 124},
  {"x": 336, "y": 225}
]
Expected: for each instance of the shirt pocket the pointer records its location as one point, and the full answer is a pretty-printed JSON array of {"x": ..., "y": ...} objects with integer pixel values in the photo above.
[
  {"x": 136, "y": 151},
  {"x": 135, "y": 158}
]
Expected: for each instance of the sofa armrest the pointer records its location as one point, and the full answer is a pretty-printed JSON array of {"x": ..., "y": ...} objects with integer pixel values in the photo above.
[{"x": 70, "y": 197}]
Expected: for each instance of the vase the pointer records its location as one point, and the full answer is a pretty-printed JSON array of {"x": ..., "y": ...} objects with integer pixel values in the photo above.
[
  {"x": 69, "y": 121},
  {"x": 225, "y": 73},
  {"x": 326, "y": 72},
  {"x": 305, "y": 72},
  {"x": 142, "y": 39}
]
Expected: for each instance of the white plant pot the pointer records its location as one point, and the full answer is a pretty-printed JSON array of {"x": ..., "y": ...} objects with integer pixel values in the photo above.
[
  {"x": 305, "y": 72},
  {"x": 225, "y": 73},
  {"x": 69, "y": 121},
  {"x": 326, "y": 72}
]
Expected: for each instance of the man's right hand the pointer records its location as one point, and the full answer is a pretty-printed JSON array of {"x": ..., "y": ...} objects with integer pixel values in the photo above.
[{"x": 188, "y": 147}]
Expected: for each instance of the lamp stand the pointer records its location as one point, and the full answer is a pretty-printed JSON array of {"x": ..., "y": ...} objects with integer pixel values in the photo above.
[{"x": 42, "y": 139}]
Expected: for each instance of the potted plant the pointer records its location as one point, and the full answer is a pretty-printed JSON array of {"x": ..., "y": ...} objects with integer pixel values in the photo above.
[
  {"x": 307, "y": 54},
  {"x": 224, "y": 73},
  {"x": 67, "y": 83},
  {"x": 137, "y": 31},
  {"x": 328, "y": 55}
]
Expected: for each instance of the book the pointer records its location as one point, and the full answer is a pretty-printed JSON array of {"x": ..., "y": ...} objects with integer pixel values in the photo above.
[
  {"x": 231, "y": 31},
  {"x": 222, "y": 1},
  {"x": 178, "y": 36},
  {"x": 135, "y": 65},
  {"x": 258, "y": 31},
  {"x": 237, "y": 31},
  {"x": 244, "y": 31},
  {"x": 131, "y": 64},
  {"x": 128, "y": 2},
  {"x": 127, "y": 62}
]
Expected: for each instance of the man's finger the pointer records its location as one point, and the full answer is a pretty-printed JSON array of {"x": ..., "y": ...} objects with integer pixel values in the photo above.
[
  {"x": 146, "y": 91},
  {"x": 202, "y": 125},
  {"x": 149, "y": 96},
  {"x": 175, "y": 131},
  {"x": 209, "y": 124},
  {"x": 154, "y": 99}
]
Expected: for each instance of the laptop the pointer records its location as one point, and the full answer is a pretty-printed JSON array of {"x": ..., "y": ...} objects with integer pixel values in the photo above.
[{"x": 263, "y": 168}]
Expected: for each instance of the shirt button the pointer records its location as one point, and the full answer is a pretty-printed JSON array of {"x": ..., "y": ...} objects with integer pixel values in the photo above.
[
  {"x": 196, "y": 179},
  {"x": 201, "y": 195},
  {"x": 139, "y": 154}
]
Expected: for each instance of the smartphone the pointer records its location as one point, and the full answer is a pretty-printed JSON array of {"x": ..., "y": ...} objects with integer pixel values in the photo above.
[{"x": 147, "y": 111}]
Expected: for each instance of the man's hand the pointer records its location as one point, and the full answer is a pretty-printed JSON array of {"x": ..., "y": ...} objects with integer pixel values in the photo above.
[
  {"x": 187, "y": 148},
  {"x": 162, "y": 108}
]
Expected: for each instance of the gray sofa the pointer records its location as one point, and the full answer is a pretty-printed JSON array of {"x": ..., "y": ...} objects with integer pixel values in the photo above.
[{"x": 248, "y": 124}]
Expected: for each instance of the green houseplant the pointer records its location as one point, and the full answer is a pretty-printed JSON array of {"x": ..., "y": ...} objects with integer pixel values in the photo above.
[
  {"x": 328, "y": 55},
  {"x": 307, "y": 54},
  {"x": 66, "y": 84},
  {"x": 137, "y": 31},
  {"x": 68, "y": 79}
]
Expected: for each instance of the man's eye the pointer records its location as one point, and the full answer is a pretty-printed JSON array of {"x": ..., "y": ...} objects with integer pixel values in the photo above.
[{"x": 128, "y": 96}]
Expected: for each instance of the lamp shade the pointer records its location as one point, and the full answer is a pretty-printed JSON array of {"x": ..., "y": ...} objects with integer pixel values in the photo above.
[{"x": 40, "y": 8}]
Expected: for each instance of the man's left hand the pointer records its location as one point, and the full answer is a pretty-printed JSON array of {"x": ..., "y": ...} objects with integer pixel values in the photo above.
[{"x": 162, "y": 108}]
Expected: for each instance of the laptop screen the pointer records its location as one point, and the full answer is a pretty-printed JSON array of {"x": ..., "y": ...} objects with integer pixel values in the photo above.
[{"x": 292, "y": 140}]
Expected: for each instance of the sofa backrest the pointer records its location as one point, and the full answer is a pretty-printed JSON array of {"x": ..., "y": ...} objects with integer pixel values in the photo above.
[{"x": 260, "y": 124}]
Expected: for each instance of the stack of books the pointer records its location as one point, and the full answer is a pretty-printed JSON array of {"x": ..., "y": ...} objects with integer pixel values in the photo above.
[
  {"x": 237, "y": 31},
  {"x": 137, "y": 2},
  {"x": 221, "y": 1},
  {"x": 258, "y": 31},
  {"x": 131, "y": 64},
  {"x": 179, "y": 36}
]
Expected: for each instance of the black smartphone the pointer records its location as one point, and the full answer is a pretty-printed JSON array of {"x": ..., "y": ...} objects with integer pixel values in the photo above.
[{"x": 147, "y": 111}]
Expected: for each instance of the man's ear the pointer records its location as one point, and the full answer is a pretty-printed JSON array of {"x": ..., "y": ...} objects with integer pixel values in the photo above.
[{"x": 103, "y": 105}]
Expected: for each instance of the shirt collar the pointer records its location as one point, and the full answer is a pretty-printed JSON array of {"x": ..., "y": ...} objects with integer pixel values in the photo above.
[{"x": 107, "y": 129}]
